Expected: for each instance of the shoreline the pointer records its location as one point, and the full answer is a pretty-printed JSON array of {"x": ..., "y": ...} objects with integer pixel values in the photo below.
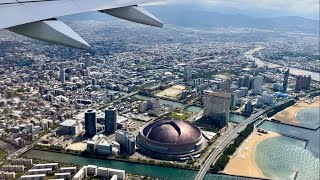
[
  {"x": 243, "y": 162},
  {"x": 289, "y": 115}
]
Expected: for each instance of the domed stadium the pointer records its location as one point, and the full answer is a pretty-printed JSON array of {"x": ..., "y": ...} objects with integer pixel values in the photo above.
[{"x": 170, "y": 139}]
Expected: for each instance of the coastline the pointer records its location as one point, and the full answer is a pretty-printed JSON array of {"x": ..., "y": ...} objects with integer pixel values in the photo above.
[
  {"x": 288, "y": 116},
  {"x": 243, "y": 163}
]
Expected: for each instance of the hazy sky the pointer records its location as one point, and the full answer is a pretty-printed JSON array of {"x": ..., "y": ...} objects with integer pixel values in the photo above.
[{"x": 306, "y": 8}]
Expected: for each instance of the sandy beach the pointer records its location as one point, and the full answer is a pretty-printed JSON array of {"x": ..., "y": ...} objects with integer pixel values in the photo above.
[
  {"x": 243, "y": 163},
  {"x": 289, "y": 114}
]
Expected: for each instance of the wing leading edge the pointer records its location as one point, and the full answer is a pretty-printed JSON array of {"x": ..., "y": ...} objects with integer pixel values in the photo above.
[{"x": 35, "y": 19}]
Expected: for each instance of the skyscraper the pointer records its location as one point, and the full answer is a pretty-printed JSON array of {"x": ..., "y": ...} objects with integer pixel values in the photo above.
[
  {"x": 110, "y": 120},
  {"x": 233, "y": 100},
  {"x": 62, "y": 76},
  {"x": 241, "y": 81},
  {"x": 187, "y": 74},
  {"x": 247, "y": 81},
  {"x": 285, "y": 81},
  {"x": 248, "y": 107},
  {"x": 257, "y": 85},
  {"x": 90, "y": 123},
  {"x": 87, "y": 60},
  {"x": 216, "y": 106},
  {"x": 302, "y": 82}
]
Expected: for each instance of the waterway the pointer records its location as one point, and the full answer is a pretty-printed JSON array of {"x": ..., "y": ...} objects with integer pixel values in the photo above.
[
  {"x": 133, "y": 168},
  {"x": 281, "y": 157},
  {"x": 309, "y": 117},
  {"x": 294, "y": 71}
]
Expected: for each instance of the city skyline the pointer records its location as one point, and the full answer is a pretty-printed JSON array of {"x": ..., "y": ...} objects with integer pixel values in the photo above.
[{"x": 208, "y": 96}]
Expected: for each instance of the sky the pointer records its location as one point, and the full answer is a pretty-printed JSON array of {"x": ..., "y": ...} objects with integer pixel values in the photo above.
[{"x": 304, "y": 8}]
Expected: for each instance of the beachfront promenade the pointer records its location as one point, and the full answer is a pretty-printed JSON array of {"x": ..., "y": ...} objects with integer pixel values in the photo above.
[{"x": 227, "y": 138}]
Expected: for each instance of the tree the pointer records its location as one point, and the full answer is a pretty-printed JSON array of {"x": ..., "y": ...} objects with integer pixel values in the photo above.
[{"x": 230, "y": 150}]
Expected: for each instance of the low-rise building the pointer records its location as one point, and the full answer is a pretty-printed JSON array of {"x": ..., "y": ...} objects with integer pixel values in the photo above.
[
  {"x": 40, "y": 171},
  {"x": 48, "y": 165},
  {"x": 13, "y": 168},
  {"x": 81, "y": 174},
  {"x": 65, "y": 175},
  {"x": 70, "y": 127},
  {"x": 33, "y": 177},
  {"x": 22, "y": 161}
]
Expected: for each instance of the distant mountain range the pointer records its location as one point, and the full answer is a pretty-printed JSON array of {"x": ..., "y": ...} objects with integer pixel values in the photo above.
[
  {"x": 190, "y": 16},
  {"x": 193, "y": 17}
]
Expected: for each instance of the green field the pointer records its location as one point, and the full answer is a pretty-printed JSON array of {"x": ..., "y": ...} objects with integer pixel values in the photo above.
[
  {"x": 179, "y": 116},
  {"x": 2, "y": 154}
]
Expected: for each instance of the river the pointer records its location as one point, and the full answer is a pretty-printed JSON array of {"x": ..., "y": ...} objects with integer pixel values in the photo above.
[
  {"x": 294, "y": 71},
  {"x": 133, "y": 168}
]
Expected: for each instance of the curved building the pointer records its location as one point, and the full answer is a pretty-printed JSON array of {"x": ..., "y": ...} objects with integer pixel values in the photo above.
[{"x": 170, "y": 139}]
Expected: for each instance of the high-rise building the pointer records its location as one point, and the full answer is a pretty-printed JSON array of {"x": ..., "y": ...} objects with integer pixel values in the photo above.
[
  {"x": 62, "y": 76},
  {"x": 248, "y": 107},
  {"x": 257, "y": 85},
  {"x": 87, "y": 60},
  {"x": 248, "y": 80},
  {"x": 241, "y": 81},
  {"x": 233, "y": 101},
  {"x": 302, "y": 82},
  {"x": 187, "y": 74},
  {"x": 225, "y": 85},
  {"x": 110, "y": 120},
  {"x": 216, "y": 106},
  {"x": 126, "y": 140},
  {"x": 90, "y": 123},
  {"x": 285, "y": 81},
  {"x": 267, "y": 98}
]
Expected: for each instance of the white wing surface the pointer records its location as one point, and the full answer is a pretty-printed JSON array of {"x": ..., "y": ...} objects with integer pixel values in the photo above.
[{"x": 36, "y": 18}]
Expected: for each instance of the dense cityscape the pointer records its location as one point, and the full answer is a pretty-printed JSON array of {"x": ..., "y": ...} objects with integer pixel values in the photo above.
[{"x": 168, "y": 97}]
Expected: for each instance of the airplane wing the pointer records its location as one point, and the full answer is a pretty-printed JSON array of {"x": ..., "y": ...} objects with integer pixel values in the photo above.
[{"x": 37, "y": 18}]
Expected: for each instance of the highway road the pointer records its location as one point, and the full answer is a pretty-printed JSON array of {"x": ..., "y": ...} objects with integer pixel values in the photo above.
[{"x": 226, "y": 140}]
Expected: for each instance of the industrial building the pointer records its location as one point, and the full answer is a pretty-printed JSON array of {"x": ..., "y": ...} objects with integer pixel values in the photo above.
[
  {"x": 126, "y": 140},
  {"x": 216, "y": 106},
  {"x": 170, "y": 139}
]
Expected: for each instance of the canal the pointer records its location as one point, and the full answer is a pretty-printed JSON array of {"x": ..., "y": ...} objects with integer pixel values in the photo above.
[{"x": 132, "y": 168}]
